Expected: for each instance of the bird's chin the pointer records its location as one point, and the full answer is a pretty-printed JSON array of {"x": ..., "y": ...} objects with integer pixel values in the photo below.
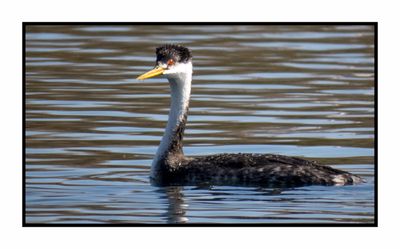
[{"x": 171, "y": 75}]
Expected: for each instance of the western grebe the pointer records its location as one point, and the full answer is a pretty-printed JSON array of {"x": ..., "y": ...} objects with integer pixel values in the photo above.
[{"x": 171, "y": 167}]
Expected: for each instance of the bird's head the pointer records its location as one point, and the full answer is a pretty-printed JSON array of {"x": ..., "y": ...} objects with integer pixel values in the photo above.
[{"x": 172, "y": 61}]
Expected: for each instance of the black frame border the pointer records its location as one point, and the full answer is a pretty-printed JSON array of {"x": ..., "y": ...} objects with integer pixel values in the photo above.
[{"x": 374, "y": 224}]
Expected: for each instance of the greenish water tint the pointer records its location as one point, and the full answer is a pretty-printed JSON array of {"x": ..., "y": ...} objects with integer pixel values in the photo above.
[{"x": 92, "y": 129}]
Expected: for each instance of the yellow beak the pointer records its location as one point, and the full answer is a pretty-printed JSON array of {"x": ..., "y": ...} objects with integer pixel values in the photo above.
[{"x": 152, "y": 73}]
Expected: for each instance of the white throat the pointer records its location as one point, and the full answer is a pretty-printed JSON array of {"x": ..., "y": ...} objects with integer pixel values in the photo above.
[{"x": 180, "y": 81}]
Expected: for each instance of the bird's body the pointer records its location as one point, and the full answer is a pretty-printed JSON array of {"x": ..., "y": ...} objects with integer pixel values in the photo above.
[
  {"x": 171, "y": 167},
  {"x": 267, "y": 170}
]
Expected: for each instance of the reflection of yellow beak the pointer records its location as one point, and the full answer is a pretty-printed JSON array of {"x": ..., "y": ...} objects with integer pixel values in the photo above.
[{"x": 152, "y": 73}]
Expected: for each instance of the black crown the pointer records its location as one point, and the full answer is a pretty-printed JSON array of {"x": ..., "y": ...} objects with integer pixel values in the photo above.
[{"x": 176, "y": 52}]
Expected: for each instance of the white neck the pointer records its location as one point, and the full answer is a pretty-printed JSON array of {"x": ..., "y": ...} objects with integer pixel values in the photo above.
[{"x": 180, "y": 85}]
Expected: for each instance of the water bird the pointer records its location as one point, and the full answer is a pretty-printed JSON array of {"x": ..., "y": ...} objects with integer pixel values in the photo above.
[{"x": 171, "y": 167}]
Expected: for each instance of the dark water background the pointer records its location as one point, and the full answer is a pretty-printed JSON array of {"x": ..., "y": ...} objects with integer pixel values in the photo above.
[{"x": 92, "y": 129}]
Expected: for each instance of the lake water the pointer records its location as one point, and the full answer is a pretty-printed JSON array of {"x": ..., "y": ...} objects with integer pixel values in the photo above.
[{"x": 92, "y": 129}]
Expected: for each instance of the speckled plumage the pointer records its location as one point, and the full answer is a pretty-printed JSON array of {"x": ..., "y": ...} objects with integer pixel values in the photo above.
[{"x": 248, "y": 169}]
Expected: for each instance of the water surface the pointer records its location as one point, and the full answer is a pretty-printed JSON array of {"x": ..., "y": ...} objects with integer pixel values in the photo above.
[{"x": 92, "y": 129}]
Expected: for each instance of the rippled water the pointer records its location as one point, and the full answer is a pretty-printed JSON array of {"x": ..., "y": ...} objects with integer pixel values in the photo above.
[{"x": 92, "y": 129}]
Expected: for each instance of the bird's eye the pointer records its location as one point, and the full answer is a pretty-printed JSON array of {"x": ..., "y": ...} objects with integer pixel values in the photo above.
[{"x": 170, "y": 62}]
